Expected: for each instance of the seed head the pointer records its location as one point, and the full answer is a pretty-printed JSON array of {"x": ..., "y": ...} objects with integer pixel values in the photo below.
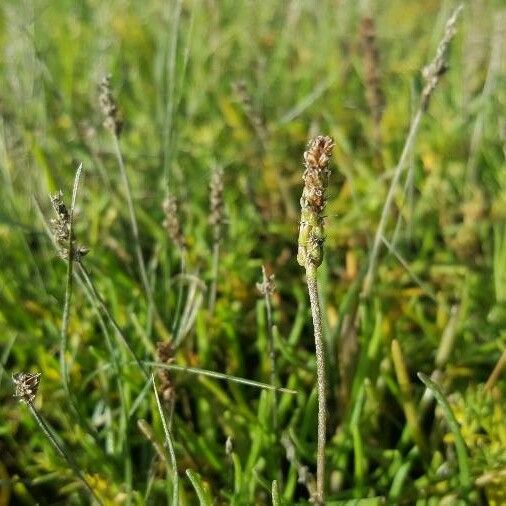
[
  {"x": 312, "y": 202},
  {"x": 371, "y": 61},
  {"x": 171, "y": 222},
  {"x": 60, "y": 227},
  {"x": 433, "y": 71},
  {"x": 165, "y": 354},
  {"x": 27, "y": 385},
  {"x": 216, "y": 206},
  {"x": 112, "y": 116},
  {"x": 268, "y": 285}
]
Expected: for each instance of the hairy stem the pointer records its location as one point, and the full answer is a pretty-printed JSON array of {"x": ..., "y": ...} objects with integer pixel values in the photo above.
[{"x": 312, "y": 286}]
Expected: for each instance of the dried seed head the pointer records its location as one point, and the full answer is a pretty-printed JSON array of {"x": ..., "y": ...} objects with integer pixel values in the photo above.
[
  {"x": 27, "y": 385},
  {"x": 165, "y": 354},
  {"x": 268, "y": 285},
  {"x": 312, "y": 202},
  {"x": 433, "y": 71},
  {"x": 112, "y": 116},
  {"x": 216, "y": 206},
  {"x": 240, "y": 89},
  {"x": 371, "y": 61},
  {"x": 60, "y": 227},
  {"x": 171, "y": 222}
]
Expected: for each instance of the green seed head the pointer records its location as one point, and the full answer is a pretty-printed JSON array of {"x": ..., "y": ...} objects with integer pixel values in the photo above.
[{"x": 312, "y": 202}]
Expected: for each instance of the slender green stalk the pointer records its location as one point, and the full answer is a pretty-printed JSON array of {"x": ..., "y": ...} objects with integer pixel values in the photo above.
[
  {"x": 266, "y": 288},
  {"x": 219, "y": 375},
  {"x": 58, "y": 446},
  {"x": 321, "y": 376},
  {"x": 310, "y": 256},
  {"x": 408, "y": 404},
  {"x": 68, "y": 283},
  {"x": 170, "y": 445},
  {"x": 214, "y": 274},
  {"x": 432, "y": 74},
  {"x": 460, "y": 445},
  {"x": 276, "y": 501},
  {"x": 91, "y": 286},
  {"x": 203, "y": 493},
  {"x": 133, "y": 220}
]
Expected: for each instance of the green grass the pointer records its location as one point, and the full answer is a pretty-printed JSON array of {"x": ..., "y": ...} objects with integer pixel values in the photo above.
[{"x": 437, "y": 293}]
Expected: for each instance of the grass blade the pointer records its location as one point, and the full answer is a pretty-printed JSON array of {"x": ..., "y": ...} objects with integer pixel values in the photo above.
[
  {"x": 170, "y": 445},
  {"x": 460, "y": 446},
  {"x": 203, "y": 493}
]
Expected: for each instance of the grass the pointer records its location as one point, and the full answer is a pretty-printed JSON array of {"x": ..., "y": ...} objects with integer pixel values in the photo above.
[{"x": 226, "y": 95}]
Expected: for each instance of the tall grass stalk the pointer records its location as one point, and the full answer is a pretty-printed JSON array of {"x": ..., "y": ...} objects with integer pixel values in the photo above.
[
  {"x": 133, "y": 220},
  {"x": 310, "y": 256},
  {"x": 408, "y": 404},
  {"x": 432, "y": 74},
  {"x": 114, "y": 123},
  {"x": 68, "y": 283},
  {"x": 170, "y": 445},
  {"x": 460, "y": 445},
  {"x": 266, "y": 287},
  {"x": 88, "y": 282},
  {"x": 58, "y": 446}
]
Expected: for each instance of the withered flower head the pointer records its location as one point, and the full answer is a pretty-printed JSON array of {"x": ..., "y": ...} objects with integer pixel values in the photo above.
[
  {"x": 27, "y": 385},
  {"x": 432, "y": 73},
  {"x": 216, "y": 207},
  {"x": 165, "y": 354},
  {"x": 268, "y": 285},
  {"x": 171, "y": 222},
  {"x": 312, "y": 202},
  {"x": 60, "y": 227},
  {"x": 109, "y": 107}
]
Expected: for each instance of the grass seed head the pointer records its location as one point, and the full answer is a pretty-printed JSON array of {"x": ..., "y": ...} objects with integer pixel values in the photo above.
[
  {"x": 312, "y": 202},
  {"x": 171, "y": 222},
  {"x": 109, "y": 107},
  {"x": 371, "y": 61},
  {"x": 216, "y": 206},
  {"x": 439, "y": 65},
  {"x": 60, "y": 227},
  {"x": 27, "y": 385}
]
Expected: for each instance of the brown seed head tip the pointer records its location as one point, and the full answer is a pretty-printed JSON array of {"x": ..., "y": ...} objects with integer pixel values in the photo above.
[
  {"x": 318, "y": 153},
  {"x": 113, "y": 120},
  {"x": 27, "y": 385},
  {"x": 172, "y": 222}
]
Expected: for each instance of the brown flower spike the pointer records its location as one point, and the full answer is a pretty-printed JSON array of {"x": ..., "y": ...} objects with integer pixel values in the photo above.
[
  {"x": 27, "y": 384},
  {"x": 112, "y": 116},
  {"x": 312, "y": 202}
]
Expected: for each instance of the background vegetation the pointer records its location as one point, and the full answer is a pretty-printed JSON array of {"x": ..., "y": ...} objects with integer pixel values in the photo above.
[{"x": 243, "y": 85}]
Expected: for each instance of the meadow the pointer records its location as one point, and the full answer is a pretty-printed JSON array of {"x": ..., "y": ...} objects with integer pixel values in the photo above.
[{"x": 153, "y": 155}]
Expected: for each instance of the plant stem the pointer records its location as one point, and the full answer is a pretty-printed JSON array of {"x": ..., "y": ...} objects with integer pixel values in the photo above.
[
  {"x": 408, "y": 404},
  {"x": 214, "y": 282},
  {"x": 87, "y": 281},
  {"x": 68, "y": 285},
  {"x": 378, "y": 238},
  {"x": 312, "y": 286},
  {"x": 48, "y": 431},
  {"x": 170, "y": 445},
  {"x": 133, "y": 220}
]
